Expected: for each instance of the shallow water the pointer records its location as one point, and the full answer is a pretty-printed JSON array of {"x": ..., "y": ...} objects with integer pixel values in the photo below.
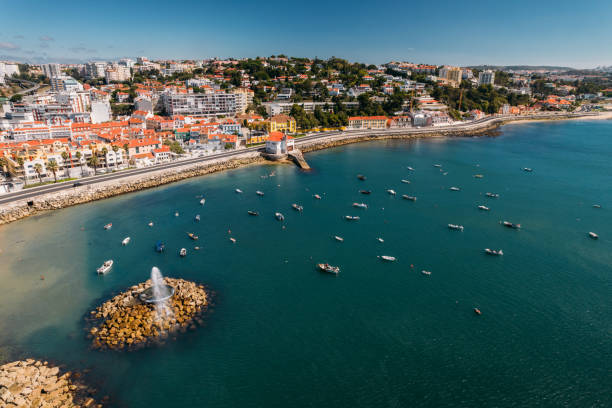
[{"x": 379, "y": 334}]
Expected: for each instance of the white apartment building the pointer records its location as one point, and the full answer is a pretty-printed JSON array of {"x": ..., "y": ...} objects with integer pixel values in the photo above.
[
  {"x": 51, "y": 70},
  {"x": 95, "y": 69},
  {"x": 451, "y": 73},
  {"x": 7, "y": 69},
  {"x": 80, "y": 101},
  {"x": 100, "y": 111},
  {"x": 198, "y": 104},
  {"x": 65, "y": 83},
  {"x": 117, "y": 73},
  {"x": 486, "y": 77}
]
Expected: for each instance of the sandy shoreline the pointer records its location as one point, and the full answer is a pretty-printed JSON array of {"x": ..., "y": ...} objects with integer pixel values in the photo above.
[{"x": 55, "y": 200}]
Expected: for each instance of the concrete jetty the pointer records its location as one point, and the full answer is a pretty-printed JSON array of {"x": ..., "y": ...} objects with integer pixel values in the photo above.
[{"x": 298, "y": 158}]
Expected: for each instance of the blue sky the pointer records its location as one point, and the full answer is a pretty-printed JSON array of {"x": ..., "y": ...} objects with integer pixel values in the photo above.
[{"x": 468, "y": 32}]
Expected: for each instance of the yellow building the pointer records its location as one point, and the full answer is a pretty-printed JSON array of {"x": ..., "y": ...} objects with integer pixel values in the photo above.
[{"x": 281, "y": 123}]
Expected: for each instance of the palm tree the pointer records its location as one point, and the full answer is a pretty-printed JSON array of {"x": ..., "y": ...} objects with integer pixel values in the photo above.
[
  {"x": 65, "y": 157},
  {"x": 78, "y": 156},
  {"x": 104, "y": 153},
  {"x": 52, "y": 165},
  {"x": 94, "y": 161},
  {"x": 38, "y": 170},
  {"x": 115, "y": 149}
]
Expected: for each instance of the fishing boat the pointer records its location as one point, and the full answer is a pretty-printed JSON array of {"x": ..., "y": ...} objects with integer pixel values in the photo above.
[
  {"x": 407, "y": 197},
  {"x": 392, "y": 192},
  {"x": 494, "y": 252},
  {"x": 510, "y": 224},
  {"x": 478, "y": 176},
  {"x": 279, "y": 216},
  {"x": 365, "y": 191},
  {"x": 183, "y": 252},
  {"x": 379, "y": 239},
  {"x": 596, "y": 206},
  {"x": 477, "y": 311},
  {"x": 454, "y": 188},
  {"x": 593, "y": 235},
  {"x": 105, "y": 267},
  {"x": 126, "y": 241},
  {"x": 325, "y": 267},
  {"x": 437, "y": 165},
  {"x": 455, "y": 227},
  {"x": 233, "y": 239},
  {"x": 424, "y": 272},
  {"x": 197, "y": 218},
  {"x": 150, "y": 224},
  {"x": 410, "y": 168},
  {"x": 339, "y": 239},
  {"x": 108, "y": 226},
  {"x": 250, "y": 212},
  {"x": 405, "y": 181},
  {"x": 202, "y": 201},
  {"x": 159, "y": 246},
  {"x": 297, "y": 207},
  {"x": 176, "y": 214},
  {"x": 483, "y": 207},
  {"x": 361, "y": 177},
  {"x": 239, "y": 191},
  {"x": 318, "y": 197},
  {"x": 351, "y": 217},
  {"x": 192, "y": 236},
  {"x": 259, "y": 193},
  {"x": 360, "y": 205},
  {"x": 492, "y": 195},
  {"x": 387, "y": 258},
  {"x": 527, "y": 169},
  {"x": 197, "y": 248}
]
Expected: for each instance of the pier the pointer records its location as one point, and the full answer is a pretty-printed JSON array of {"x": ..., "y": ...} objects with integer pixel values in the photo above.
[{"x": 297, "y": 156}]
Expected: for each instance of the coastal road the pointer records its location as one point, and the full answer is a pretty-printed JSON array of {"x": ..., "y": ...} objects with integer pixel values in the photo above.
[{"x": 30, "y": 193}]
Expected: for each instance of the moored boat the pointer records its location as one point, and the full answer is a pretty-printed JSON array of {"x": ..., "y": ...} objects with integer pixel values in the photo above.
[
  {"x": 437, "y": 165},
  {"x": 379, "y": 239},
  {"x": 361, "y": 177},
  {"x": 351, "y": 217},
  {"x": 407, "y": 197},
  {"x": 126, "y": 241},
  {"x": 596, "y": 206},
  {"x": 197, "y": 218},
  {"x": 183, "y": 252},
  {"x": 527, "y": 169},
  {"x": 239, "y": 191},
  {"x": 593, "y": 235},
  {"x": 192, "y": 236},
  {"x": 392, "y": 192},
  {"x": 498, "y": 252},
  {"x": 202, "y": 201},
  {"x": 176, "y": 214},
  {"x": 478, "y": 176},
  {"x": 105, "y": 267},
  {"x": 360, "y": 205},
  {"x": 251, "y": 212},
  {"x": 387, "y": 258},
  {"x": 159, "y": 246},
  {"x": 455, "y": 227},
  {"x": 483, "y": 207},
  {"x": 454, "y": 188},
  {"x": 297, "y": 207},
  {"x": 259, "y": 193},
  {"x": 477, "y": 311},
  {"x": 405, "y": 181},
  {"x": 150, "y": 224},
  {"x": 318, "y": 197},
  {"x": 410, "y": 168},
  {"x": 365, "y": 191},
  {"x": 424, "y": 272},
  {"x": 233, "y": 239},
  {"x": 339, "y": 239},
  {"x": 325, "y": 267},
  {"x": 108, "y": 226},
  {"x": 510, "y": 224},
  {"x": 492, "y": 195},
  {"x": 279, "y": 216}
]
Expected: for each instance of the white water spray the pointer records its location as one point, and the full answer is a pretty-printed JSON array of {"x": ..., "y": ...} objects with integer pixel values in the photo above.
[{"x": 161, "y": 295}]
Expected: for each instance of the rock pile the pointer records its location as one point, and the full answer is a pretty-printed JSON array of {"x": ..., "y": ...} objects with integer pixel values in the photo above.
[
  {"x": 32, "y": 383},
  {"x": 126, "y": 322}
]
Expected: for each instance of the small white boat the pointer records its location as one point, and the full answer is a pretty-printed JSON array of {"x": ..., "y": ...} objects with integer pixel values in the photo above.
[
  {"x": 527, "y": 169},
  {"x": 259, "y": 193},
  {"x": 297, "y": 207},
  {"x": 108, "y": 226},
  {"x": 392, "y": 192},
  {"x": 483, "y": 207},
  {"x": 106, "y": 266},
  {"x": 233, "y": 239},
  {"x": 410, "y": 168},
  {"x": 437, "y": 165},
  {"x": 387, "y": 258},
  {"x": 360, "y": 205},
  {"x": 239, "y": 191},
  {"x": 445, "y": 173},
  {"x": 492, "y": 195},
  {"x": 494, "y": 252},
  {"x": 351, "y": 217},
  {"x": 183, "y": 252},
  {"x": 478, "y": 176},
  {"x": 593, "y": 235},
  {"x": 318, "y": 197},
  {"x": 251, "y": 212},
  {"x": 176, "y": 214},
  {"x": 339, "y": 239},
  {"x": 197, "y": 218},
  {"x": 455, "y": 227},
  {"x": 407, "y": 197},
  {"x": 596, "y": 206},
  {"x": 405, "y": 181},
  {"x": 279, "y": 216},
  {"x": 379, "y": 239},
  {"x": 510, "y": 224},
  {"x": 126, "y": 241},
  {"x": 454, "y": 188},
  {"x": 325, "y": 267},
  {"x": 202, "y": 201},
  {"x": 424, "y": 272},
  {"x": 150, "y": 224}
]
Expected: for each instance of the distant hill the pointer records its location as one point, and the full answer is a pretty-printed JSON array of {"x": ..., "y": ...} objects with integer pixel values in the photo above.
[{"x": 522, "y": 67}]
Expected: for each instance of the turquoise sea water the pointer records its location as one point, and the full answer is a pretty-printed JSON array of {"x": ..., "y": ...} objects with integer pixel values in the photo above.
[{"x": 379, "y": 334}]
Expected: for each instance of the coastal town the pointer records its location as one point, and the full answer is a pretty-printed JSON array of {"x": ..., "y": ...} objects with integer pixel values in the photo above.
[{"x": 62, "y": 122}]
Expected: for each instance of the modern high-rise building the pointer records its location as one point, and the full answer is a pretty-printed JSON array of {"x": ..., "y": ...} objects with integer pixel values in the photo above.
[
  {"x": 199, "y": 104},
  {"x": 65, "y": 83},
  {"x": 117, "y": 73},
  {"x": 486, "y": 77},
  {"x": 51, "y": 70},
  {"x": 95, "y": 69},
  {"x": 451, "y": 73}
]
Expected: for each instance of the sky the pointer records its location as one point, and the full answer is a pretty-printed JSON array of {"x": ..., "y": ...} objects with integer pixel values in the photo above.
[{"x": 469, "y": 32}]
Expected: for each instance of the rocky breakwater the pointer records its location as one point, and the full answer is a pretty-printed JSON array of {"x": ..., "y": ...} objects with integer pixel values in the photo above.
[
  {"x": 32, "y": 383},
  {"x": 125, "y": 322}
]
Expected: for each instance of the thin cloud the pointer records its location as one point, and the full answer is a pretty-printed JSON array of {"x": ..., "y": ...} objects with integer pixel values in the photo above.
[
  {"x": 19, "y": 37},
  {"x": 8, "y": 46},
  {"x": 44, "y": 45},
  {"x": 78, "y": 50},
  {"x": 46, "y": 38}
]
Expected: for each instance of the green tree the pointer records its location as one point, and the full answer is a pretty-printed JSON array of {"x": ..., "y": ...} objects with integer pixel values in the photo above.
[
  {"x": 115, "y": 149},
  {"x": 52, "y": 165},
  {"x": 65, "y": 157},
  {"x": 38, "y": 170},
  {"x": 94, "y": 161},
  {"x": 104, "y": 153},
  {"x": 78, "y": 156}
]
